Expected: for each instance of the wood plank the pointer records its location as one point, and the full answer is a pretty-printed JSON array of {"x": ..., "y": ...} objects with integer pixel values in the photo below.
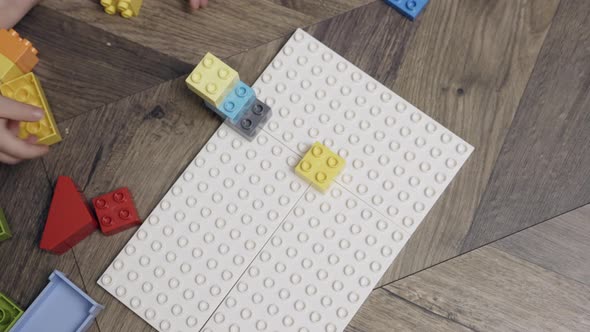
[
  {"x": 385, "y": 311},
  {"x": 322, "y": 10},
  {"x": 467, "y": 67},
  {"x": 561, "y": 244},
  {"x": 543, "y": 168},
  {"x": 25, "y": 268},
  {"x": 225, "y": 27},
  {"x": 82, "y": 67},
  {"x": 490, "y": 290}
]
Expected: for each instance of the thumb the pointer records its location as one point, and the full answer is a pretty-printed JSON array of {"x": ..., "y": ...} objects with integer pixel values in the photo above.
[{"x": 13, "y": 110}]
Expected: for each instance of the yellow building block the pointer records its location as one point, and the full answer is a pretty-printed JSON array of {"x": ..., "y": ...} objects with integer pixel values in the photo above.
[
  {"x": 127, "y": 8},
  {"x": 8, "y": 69},
  {"x": 212, "y": 80},
  {"x": 27, "y": 89},
  {"x": 320, "y": 166}
]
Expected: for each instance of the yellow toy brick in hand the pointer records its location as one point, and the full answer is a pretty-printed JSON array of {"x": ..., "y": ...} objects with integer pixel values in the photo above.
[
  {"x": 212, "y": 80},
  {"x": 27, "y": 89},
  {"x": 320, "y": 166}
]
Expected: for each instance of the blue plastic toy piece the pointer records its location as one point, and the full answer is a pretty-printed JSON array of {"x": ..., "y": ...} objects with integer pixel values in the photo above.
[
  {"x": 409, "y": 8},
  {"x": 236, "y": 102},
  {"x": 61, "y": 307}
]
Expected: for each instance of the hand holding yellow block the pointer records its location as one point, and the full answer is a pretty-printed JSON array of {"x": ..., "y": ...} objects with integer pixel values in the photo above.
[
  {"x": 27, "y": 89},
  {"x": 127, "y": 8}
]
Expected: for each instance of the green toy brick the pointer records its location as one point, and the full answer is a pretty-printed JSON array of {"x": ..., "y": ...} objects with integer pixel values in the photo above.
[
  {"x": 9, "y": 312},
  {"x": 4, "y": 230}
]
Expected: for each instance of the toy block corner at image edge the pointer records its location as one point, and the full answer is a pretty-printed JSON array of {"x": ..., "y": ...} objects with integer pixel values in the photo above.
[
  {"x": 5, "y": 232},
  {"x": 408, "y": 8},
  {"x": 11, "y": 313}
]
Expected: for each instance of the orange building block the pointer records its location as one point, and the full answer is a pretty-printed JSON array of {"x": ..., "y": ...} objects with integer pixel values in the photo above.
[{"x": 18, "y": 50}]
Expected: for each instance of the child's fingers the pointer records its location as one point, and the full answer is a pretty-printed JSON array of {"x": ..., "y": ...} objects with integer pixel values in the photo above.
[
  {"x": 6, "y": 159},
  {"x": 13, "y": 110},
  {"x": 204, "y": 3},
  {"x": 13, "y": 126},
  {"x": 19, "y": 149},
  {"x": 195, "y": 4}
]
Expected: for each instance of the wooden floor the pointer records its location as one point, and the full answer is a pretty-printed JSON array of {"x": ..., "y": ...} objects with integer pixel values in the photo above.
[{"x": 509, "y": 76}]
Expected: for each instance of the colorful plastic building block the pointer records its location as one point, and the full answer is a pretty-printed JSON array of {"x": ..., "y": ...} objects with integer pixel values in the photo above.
[
  {"x": 9, "y": 313},
  {"x": 127, "y": 8},
  {"x": 409, "y": 8},
  {"x": 61, "y": 306},
  {"x": 252, "y": 120},
  {"x": 4, "y": 229},
  {"x": 320, "y": 166},
  {"x": 239, "y": 100},
  {"x": 116, "y": 211},
  {"x": 212, "y": 80},
  {"x": 8, "y": 69},
  {"x": 18, "y": 50},
  {"x": 27, "y": 89},
  {"x": 69, "y": 220}
]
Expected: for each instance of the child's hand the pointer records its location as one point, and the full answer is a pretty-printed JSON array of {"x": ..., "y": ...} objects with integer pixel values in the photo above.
[
  {"x": 11, "y": 11},
  {"x": 13, "y": 149},
  {"x": 195, "y": 4}
]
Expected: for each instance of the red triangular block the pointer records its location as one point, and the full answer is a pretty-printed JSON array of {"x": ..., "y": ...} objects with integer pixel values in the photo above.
[{"x": 69, "y": 221}]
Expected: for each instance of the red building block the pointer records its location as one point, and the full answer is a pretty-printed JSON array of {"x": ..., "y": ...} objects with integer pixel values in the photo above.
[
  {"x": 69, "y": 221},
  {"x": 116, "y": 211}
]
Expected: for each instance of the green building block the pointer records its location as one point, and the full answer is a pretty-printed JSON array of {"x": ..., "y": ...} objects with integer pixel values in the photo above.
[
  {"x": 9, "y": 313},
  {"x": 4, "y": 230}
]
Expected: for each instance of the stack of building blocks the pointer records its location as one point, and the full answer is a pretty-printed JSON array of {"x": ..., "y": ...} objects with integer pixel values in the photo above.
[
  {"x": 27, "y": 89},
  {"x": 69, "y": 220},
  {"x": 320, "y": 166},
  {"x": 4, "y": 229},
  {"x": 220, "y": 87},
  {"x": 61, "y": 306},
  {"x": 116, "y": 211},
  {"x": 409, "y": 8},
  {"x": 9, "y": 313},
  {"x": 17, "y": 55},
  {"x": 127, "y": 8}
]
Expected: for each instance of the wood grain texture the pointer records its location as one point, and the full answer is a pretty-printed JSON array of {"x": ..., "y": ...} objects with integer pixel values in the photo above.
[
  {"x": 467, "y": 66},
  {"x": 25, "y": 268},
  {"x": 322, "y": 9},
  {"x": 543, "y": 168},
  {"x": 82, "y": 67},
  {"x": 225, "y": 27},
  {"x": 490, "y": 290},
  {"x": 561, "y": 244},
  {"x": 384, "y": 311}
]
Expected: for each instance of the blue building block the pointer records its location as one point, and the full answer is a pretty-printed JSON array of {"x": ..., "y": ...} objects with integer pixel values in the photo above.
[
  {"x": 409, "y": 8},
  {"x": 236, "y": 102},
  {"x": 61, "y": 306}
]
